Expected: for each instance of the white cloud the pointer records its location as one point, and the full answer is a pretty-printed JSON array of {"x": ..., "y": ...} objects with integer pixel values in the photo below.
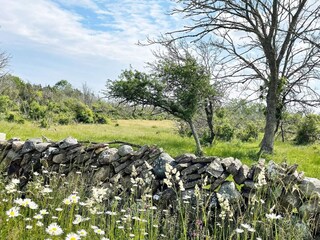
[{"x": 61, "y": 31}]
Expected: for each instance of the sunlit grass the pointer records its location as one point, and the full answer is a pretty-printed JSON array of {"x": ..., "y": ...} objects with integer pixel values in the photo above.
[
  {"x": 163, "y": 134},
  {"x": 67, "y": 208}
]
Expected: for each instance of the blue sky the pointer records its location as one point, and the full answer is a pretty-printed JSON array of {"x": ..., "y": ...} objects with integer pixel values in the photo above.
[{"x": 80, "y": 40}]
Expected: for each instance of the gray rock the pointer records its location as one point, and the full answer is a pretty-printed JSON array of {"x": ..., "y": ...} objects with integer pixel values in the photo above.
[
  {"x": 17, "y": 145},
  {"x": 125, "y": 150},
  {"x": 230, "y": 192},
  {"x": 49, "y": 151},
  {"x": 41, "y": 147},
  {"x": 309, "y": 209},
  {"x": 68, "y": 142},
  {"x": 242, "y": 174},
  {"x": 160, "y": 163},
  {"x": 204, "y": 159},
  {"x": 106, "y": 156},
  {"x": 219, "y": 180},
  {"x": 215, "y": 169},
  {"x": 292, "y": 199},
  {"x": 2, "y": 136},
  {"x": 58, "y": 158},
  {"x": 28, "y": 146},
  {"x": 191, "y": 169},
  {"x": 102, "y": 174},
  {"x": 181, "y": 166},
  {"x": 274, "y": 171},
  {"x": 232, "y": 165},
  {"x": 185, "y": 158},
  {"x": 309, "y": 185}
]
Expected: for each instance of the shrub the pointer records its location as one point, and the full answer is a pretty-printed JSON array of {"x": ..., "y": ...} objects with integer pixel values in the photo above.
[
  {"x": 225, "y": 131},
  {"x": 308, "y": 130},
  {"x": 249, "y": 133},
  {"x": 101, "y": 118},
  {"x": 83, "y": 113}
]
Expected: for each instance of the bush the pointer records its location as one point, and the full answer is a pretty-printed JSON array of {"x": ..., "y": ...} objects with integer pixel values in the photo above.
[
  {"x": 308, "y": 130},
  {"x": 15, "y": 117},
  {"x": 64, "y": 119},
  {"x": 225, "y": 132},
  {"x": 83, "y": 113},
  {"x": 249, "y": 133},
  {"x": 101, "y": 118}
]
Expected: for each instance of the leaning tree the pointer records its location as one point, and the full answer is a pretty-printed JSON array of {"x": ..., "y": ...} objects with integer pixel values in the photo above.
[
  {"x": 269, "y": 46},
  {"x": 178, "y": 86}
]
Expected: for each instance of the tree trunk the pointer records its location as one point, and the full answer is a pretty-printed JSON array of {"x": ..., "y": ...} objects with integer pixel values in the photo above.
[
  {"x": 271, "y": 119},
  {"x": 196, "y": 138},
  {"x": 209, "y": 113}
]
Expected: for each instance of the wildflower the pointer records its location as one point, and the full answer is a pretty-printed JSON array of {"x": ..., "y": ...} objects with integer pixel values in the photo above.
[
  {"x": 28, "y": 227},
  {"x": 181, "y": 187},
  {"x": 33, "y": 205},
  {"x": 27, "y": 202},
  {"x": 99, "y": 231},
  {"x": 250, "y": 229},
  {"x": 38, "y": 216},
  {"x": 72, "y": 236},
  {"x": 120, "y": 227},
  {"x": 82, "y": 233},
  {"x": 117, "y": 198},
  {"x": 39, "y": 224},
  {"x": 131, "y": 235},
  {"x": 273, "y": 216},
  {"x": 78, "y": 219},
  {"x": 245, "y": 225},
  {"x": 46, "y": 190},
  {"x": 259, "y": 238},
  {"x": 67, "y": 201},
  {"x": 15, "y": 181},
  {"x": 54, "y": 229},
  {"x": 262, "y": 178},
  {"x": 153, "y": 208},
  {"x": 74, "y": 198},
  {"x": 43, "y": 212},
  {"x": 104, "y": 238},
  {"x": 59, "y": 209},
  {"x": 239, "y": 230},
  {"x": 167, "y": 182},
  {"x": 99, "y": 194},
  {"x": 13, "y": 212}
]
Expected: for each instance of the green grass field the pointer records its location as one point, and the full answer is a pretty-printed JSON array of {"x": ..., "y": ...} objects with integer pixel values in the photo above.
[{"x": 163, "y": 134}]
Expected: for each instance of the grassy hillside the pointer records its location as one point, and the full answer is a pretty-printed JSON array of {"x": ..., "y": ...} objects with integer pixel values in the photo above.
[{"x": 163, "y": 134}]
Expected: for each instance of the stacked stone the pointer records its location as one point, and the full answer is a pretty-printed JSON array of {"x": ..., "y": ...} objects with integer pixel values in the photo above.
[{"x": 123, "y": 166}]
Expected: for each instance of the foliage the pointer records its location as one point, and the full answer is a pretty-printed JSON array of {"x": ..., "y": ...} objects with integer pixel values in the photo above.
[
  {"x": 66, "y": 205},
  {"x": 249, "y": 132},
  {"x": 225, "y": 132},
  {"x": 309, "y": 130},
  {"x": 176, "y": 87}
]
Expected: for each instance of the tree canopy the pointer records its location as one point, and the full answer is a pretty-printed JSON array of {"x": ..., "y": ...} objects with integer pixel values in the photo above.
[
  {"x": 178, "y": 87},
  {"x": 270, "y": 47}
]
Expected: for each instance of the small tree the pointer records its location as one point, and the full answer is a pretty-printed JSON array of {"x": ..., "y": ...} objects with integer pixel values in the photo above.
[
  {"x": 309, "y": 131},
  {"x": 178, "y": 87}
]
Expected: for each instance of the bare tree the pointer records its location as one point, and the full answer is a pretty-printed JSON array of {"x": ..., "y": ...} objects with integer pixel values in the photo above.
[{"x": 269, "y": 46}]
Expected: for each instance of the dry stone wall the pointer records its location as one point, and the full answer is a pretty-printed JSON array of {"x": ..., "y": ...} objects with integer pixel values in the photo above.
[{"x": 101, "y": 164}]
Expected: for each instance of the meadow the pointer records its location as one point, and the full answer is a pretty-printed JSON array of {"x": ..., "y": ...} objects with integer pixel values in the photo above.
[
  {"x": 67, "y": 209},
  {"x": 164, "y": 134}
]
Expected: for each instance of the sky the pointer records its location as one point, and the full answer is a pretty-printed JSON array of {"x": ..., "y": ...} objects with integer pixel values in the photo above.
[{"x": 81, "y": 41}]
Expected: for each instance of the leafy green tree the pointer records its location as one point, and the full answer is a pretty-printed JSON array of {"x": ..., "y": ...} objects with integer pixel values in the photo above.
[
  {"x": 83, "y": 113},
  {"x": 177, "y": 87},
  {"x": 269, "y": 46},
  {"x": 309, "y": 130}
]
